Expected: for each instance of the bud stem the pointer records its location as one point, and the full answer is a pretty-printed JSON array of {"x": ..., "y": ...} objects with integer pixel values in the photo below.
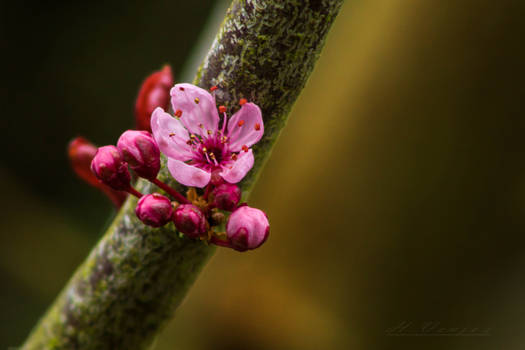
[
  {"x": 134, "y": 192},
  {"x": 169, "y": 190},
  {"x": 220, "y": 242}
]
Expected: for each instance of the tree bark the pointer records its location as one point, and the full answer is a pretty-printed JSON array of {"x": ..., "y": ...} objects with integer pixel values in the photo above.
[{"x": 136, "y": 276}]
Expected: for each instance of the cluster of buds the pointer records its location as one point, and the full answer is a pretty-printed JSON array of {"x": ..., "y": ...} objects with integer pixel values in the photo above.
[
  {"x": 209, "y": 159},
  {"x": 196, "y": 216}
]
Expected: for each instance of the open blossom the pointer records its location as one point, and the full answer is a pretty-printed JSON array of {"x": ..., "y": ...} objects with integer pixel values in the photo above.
[{"x": 197, "y": 146}]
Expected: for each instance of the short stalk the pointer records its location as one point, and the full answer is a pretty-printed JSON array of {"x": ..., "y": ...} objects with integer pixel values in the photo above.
[
  {"x": 134, "y": 192},
  {"x": 172, "y": 192}
]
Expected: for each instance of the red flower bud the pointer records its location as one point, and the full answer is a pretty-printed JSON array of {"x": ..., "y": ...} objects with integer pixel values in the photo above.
[
  {"x": 81, "y": 152},
  {"x": 154, "y": 92},
  {"x": 109, "y": 167},
  {"x": 154, "y": 210},
  {"x": 189, "y": 220},
  {"x": 140, "y": 151},
  {"x": 247, "y": 228},
  {"x": 226, "y": 196}
]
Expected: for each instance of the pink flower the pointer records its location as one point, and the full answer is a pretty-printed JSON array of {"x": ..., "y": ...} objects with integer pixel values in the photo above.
[{"x": 194, "y": 143}]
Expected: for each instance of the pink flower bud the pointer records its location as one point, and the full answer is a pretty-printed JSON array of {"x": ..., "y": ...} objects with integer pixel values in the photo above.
[
  {"x": 190, "y": 220},
  {"x": 247, "y": 228},
  {"x": 227, "y": 196},
  {"x": 140, "y": 151},
  {"x": 81, "y": 152},
  {"x": 154, "y": 92},
  {"x": 154, "y": 210},
  {"x": 109, "y": 167}
]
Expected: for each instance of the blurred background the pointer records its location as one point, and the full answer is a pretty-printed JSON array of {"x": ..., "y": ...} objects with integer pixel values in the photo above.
[{"x": 396, "y": 192}]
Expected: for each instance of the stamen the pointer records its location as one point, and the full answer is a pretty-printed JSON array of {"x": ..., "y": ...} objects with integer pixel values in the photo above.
[
  {"x": 213, "y": 88},
  {"x": 257, "y": 127},
  {"x": 234, "y": 156},
  {"x": 197, "y": 100},
  {"x": 204, "y": 149},
  {"x": 245, "y": 148},
  {"x": 222, "y": 109},
  {"x": 212, "y": 156},
  {"x": 241, "y": 123},
  {"x": 242, "y": 101},
  {"x": 209, "y": 132},
  {"x": 181, "y": 88},
  {"x": 171, "y": 134},
  {"x": 201, "y": 126},
  {"x": 178, "y": 113}
]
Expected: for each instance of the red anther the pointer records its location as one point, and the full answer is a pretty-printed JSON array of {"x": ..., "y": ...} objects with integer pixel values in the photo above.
[
  {"x": 234, "y": 156},
  {"x": 154, "y": 92},
  {"x": 181, "y": 89},
  {"x": 222, "y": 109},
  {"x": 245, "y": 148},
  {"x": 213, "y": 88},
  {"x": 242, "y": 101},
  {"x": 178, "y": 113},
  {"x": 241, "y": 123},
  {"x": 257, "y": 126}
]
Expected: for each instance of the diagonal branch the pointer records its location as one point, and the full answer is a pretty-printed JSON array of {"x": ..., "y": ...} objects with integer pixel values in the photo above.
[{"x": 136, "y": 276}]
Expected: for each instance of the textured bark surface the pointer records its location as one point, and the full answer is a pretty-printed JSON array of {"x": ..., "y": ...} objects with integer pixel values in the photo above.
[{"x": 136, "y": 276}]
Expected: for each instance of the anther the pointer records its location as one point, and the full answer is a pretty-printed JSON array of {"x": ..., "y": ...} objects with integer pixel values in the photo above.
[
  {"x": 181, "y": 88},
  {"x": 209, "y": 132},
  {"x": 242, "y": 101},
  {"x": 234, "y": 156},
  {"x": 197, "y": 100},
  {"x": 245, "y": 148},
  {"x": 213, "y": 88},
  {"x": 171, "y": 134},
  {"x": 241, "y": 123},
  {"x": 204, "y": 150},
  {"x": 257, "y": 126},
  {"x": 222, "y": 109},
  {"x": 178, "y": 113},
  {"x": 201, "y": 126}
]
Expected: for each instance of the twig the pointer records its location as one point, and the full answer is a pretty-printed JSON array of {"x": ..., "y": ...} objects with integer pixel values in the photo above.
[{"x": 136, "y": 276}]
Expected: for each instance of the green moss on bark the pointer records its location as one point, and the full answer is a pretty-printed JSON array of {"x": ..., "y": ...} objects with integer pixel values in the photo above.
[{"x": 136, "y": 276}]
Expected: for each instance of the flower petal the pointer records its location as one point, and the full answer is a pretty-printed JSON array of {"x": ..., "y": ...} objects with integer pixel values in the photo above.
[
  {"x": 188, "y": 175},
  {"x": 170, "y": 134},
  {"x": 197, "y": 107},
  {"x": 245, "y": 127},
  {"x": 240, "y": 167}
]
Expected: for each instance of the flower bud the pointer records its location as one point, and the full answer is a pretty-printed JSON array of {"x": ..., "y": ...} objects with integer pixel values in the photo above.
[
  {"x": 154, "y": 92},
  {"x": 109, "y": 167},
  {"x": 154, "y": 210},
  {"x": 140, "y": 151},
  {"x": 190, "y": 220},
  {"x": 247, "y": 228},
  {"x": 81, "y": 152},
  {"x": 226, "y": 196}
]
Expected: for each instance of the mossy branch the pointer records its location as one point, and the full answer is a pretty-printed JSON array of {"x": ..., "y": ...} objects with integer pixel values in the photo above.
[{"x": 136, "y": 276}]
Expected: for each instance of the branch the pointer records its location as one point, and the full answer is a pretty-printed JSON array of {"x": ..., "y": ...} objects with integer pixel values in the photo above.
[{"x": 136, "y": 276}]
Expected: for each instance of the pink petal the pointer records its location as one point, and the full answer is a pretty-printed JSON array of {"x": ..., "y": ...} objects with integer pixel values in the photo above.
[
  {"x": 188, "y": 175},
  {"x": 240, "y": 167},
  {"x": 170, "y": 134},
  {"x": 199, "y": 112},
  {"x": 245, "y": 127}
]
